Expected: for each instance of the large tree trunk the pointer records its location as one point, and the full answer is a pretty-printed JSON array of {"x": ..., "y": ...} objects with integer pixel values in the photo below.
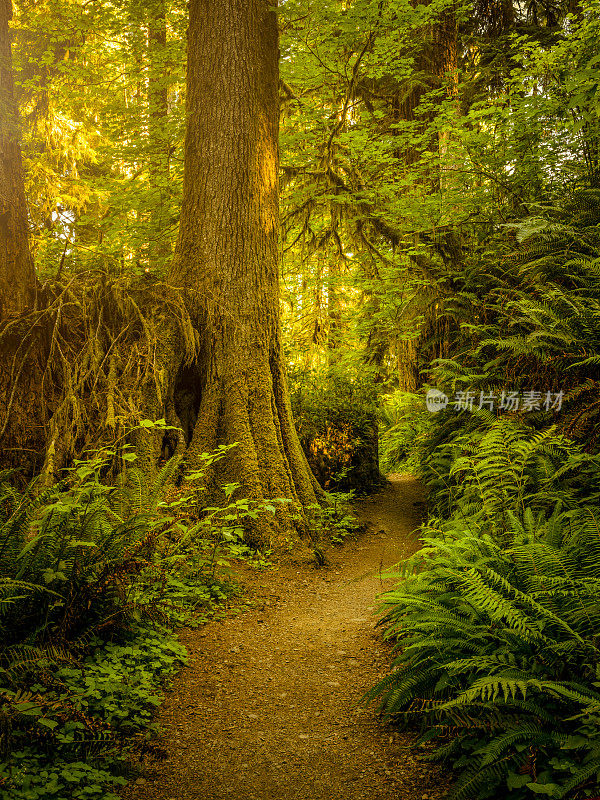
[
  {"x": 17, "y": 277},
  {"x": 227, "y": 254}
]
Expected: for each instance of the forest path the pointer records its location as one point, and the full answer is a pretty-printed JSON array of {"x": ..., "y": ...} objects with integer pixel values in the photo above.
[{"x": 268, "y": 707}]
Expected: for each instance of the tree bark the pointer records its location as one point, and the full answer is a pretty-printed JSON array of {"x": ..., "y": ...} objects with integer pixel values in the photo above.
[
  {"x": 227, "y": 252},
  {"x": 159, "y": 248},
  {"x": 17, "y": 276}
]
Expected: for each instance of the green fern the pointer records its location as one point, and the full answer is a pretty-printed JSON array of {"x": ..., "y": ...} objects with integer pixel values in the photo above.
[{"x": 496, "y": 619}]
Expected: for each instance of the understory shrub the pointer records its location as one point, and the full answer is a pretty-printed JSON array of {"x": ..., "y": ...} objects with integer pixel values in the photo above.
[
  {"x": 336, "y": 420},
  {"x": 93, "y": 579},
  {"x": 528, "y": 318},
  {"x": 335, "y": 520},
  {"x": 403, "y": 422}
]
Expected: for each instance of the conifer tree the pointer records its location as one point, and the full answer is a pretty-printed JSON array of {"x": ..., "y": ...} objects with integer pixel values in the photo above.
[
  {"x": 227, "y": 253},
  {"x": 17, "y": 278}
]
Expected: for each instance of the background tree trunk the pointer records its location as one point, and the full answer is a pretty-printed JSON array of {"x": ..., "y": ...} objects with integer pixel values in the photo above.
[
  {"x": 227, "y": 253},
  {"x": 17, "y": 277},
  {"x": 158, "y": 112}
]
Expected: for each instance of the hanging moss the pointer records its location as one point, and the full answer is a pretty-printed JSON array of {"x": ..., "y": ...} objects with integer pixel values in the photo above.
[{"x": 98, "y": 355}]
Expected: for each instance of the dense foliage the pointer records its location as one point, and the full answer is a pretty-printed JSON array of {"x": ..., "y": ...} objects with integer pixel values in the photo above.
[
  {"x": 336, "y": 419},
  {"x": 496, "y": 619},
  {"x": 440, "y": 217},
  {"x": 93, "y": 580}
]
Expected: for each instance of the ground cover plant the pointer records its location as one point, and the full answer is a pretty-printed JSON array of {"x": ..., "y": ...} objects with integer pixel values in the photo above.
[{"x": 94, "y": 578}]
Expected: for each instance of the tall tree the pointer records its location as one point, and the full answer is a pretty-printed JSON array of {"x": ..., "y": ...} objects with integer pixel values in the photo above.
[
  {"x": 227, "y": 251},
  {"x": 17, "y": 277},
  {"x": 158, "y": 110}
]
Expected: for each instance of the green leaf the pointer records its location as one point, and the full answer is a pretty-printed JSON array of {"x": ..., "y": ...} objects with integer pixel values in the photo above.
[
  {"x": 516, "y": 781},
  {"x": 48, "y": 723},
  {"x": 549, "y": 789}
]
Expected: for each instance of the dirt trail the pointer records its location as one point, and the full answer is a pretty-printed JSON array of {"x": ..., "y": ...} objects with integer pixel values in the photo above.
[{"x": 267, "y": 709}]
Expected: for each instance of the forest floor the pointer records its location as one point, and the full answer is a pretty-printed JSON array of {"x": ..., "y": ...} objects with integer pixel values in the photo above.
[{"x": 268, "y": 708}]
